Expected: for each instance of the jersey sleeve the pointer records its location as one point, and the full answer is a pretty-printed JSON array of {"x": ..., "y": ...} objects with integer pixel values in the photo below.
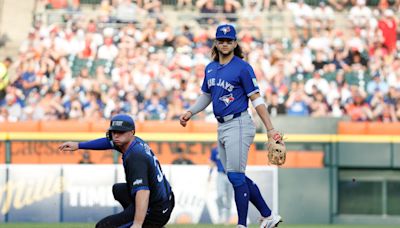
[
  {"x": 249, "y": 80},
  {"x": 204, "y": 86},
  {"x": 97, "y": 144},
  {"x": 137, "y": 173}
]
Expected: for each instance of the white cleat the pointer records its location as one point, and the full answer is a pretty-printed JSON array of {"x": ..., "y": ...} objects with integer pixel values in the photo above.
[
  {"x": 270, "y": 222},
  {"x": 241, "y": 226}
]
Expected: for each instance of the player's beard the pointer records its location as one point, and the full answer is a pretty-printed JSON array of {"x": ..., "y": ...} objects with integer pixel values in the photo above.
[{"x": 225, "y": 54}]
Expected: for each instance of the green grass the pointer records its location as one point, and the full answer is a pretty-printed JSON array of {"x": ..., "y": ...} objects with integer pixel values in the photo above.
[{"x": 91, "y": 225}]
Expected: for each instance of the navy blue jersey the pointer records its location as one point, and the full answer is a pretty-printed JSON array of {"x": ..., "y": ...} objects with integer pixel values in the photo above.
[
  {"x": 230, "y": 85},
  {"x": 215, "y": 158},
  {"x": 143, "y": 171}
]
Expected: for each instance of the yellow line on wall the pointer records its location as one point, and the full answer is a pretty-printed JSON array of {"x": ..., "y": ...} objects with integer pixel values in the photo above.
[{"x": 200, "y": 137}]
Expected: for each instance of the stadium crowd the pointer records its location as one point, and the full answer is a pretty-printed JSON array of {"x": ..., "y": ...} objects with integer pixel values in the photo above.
[{"x": 90, "y": 68}]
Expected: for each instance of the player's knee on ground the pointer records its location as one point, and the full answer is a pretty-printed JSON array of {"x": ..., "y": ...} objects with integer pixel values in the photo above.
[
  {"x": 115, "y": 190},
  {"x": 119, "y": 190},
  {"x": 237, "y": 179}
]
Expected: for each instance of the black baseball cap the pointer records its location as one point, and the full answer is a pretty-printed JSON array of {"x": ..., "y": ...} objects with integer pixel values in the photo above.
[{"x": 121, "y": 122}]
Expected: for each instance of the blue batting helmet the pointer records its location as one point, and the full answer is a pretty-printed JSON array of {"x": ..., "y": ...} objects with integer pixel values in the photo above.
[
  {"x": 121, "y": 122},
  {"x": 226, "y": 32}
]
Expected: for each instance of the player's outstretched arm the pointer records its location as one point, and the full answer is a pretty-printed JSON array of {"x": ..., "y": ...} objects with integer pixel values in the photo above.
[
  {"x": 97, "y": 144},
  {"x": 68, "y": 146}
]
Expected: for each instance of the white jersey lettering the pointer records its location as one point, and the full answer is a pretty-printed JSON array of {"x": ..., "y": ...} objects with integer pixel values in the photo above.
[
  {"x": 211, "y": 82},
  {"x": 226, "y": 85}
]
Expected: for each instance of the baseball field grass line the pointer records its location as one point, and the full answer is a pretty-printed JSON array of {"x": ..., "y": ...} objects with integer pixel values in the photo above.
[{"x": 91, "y": 225}]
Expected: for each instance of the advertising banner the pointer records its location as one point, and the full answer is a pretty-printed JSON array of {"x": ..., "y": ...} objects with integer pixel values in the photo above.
[
  {"x": 87, "y": 194},
  {"x": 83, "y": 193},
  {"x": 32, "y": 193},
  {"x": 196, "y": 196}
]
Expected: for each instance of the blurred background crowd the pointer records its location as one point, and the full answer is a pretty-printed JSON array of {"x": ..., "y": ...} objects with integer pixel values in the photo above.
[{"x": 130, "y": 56}]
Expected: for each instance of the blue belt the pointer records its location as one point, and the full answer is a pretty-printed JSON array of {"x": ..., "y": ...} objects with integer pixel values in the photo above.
[{"x": 229, "y": 117}]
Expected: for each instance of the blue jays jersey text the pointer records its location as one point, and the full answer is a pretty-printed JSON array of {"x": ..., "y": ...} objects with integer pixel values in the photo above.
[{"x": 230, "y": 85}]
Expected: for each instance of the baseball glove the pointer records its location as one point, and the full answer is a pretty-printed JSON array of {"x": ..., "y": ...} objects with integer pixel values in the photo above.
[{"x": 276, "y": 149}]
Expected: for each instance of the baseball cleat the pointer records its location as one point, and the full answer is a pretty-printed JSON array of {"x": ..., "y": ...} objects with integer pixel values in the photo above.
[{"x": 270, "y": 222}]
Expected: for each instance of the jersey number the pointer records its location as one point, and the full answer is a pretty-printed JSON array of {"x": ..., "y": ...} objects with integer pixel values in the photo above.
[{"x": 160, "y": 175}]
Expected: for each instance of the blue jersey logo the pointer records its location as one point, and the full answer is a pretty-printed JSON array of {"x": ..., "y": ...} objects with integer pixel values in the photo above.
[
  {"x": 227, "y": 99},
  {"x": 226, "y": 29},
  {"x": 229, "y": 85}
]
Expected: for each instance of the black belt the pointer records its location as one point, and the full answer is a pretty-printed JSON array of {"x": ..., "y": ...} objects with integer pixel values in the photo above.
[{"x": 229, "y": 117}]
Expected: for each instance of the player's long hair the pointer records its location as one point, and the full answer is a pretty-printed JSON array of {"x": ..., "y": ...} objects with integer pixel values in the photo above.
[{"x": 237, "y": 52}]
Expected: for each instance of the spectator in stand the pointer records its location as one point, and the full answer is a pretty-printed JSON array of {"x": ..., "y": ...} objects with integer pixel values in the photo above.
[
  {"x": 382, "y": 111},
  {"x": 317, "y": 81},
  {"x": 337, "y": 109},
  {"x": 267, "y": 3},
  {"x": 105, "y": 11},
  {"x": 360, "y": 15},
  {"x": 397, "y": 110},
  {"x": 275, "y": 107},
  {"x": 358, "y": 109},
  {"x": 3, "y": 114},
  {"x": 125, "y": 65},
  {"x": 339, "y": 5},
  {"x": 126, "y": 11},
  {"x": 76, "y": 110},
  {"x": 251, "y": 13},
  {"x": 183, "y": 4},
  {"x": 320, "y": 61},
  {"x": 388, "y": 26},
  {"x": 175, "y": 105},
  {"x": 302, "y": 15},
  {"x": 29, "y": 79},
  {"x": 154, "y": 109},
  {"x": 392, "y": 96},
  {"x": 230, "y": 9},
  {"x": 298, "y": 103},
  {"x": 377, "y": 85},
  {"x": 154, "y": 10},
  {"x": 13, "y": 108},
  {"x": 208, "y": 11},
  {"x": 108, "y": 50},
  {"x": 319, "y": 106},
  {"x": 62, "y": 4},
  {"x": 324, "y": 16},
  {"x": 4, "y": 76},
  {"x": 356, "y": 61}
]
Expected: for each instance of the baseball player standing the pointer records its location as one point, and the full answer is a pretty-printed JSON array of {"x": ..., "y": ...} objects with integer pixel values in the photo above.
[
  {"x": 229, "y": 83},
  {"x": 146, "y": 197}
]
